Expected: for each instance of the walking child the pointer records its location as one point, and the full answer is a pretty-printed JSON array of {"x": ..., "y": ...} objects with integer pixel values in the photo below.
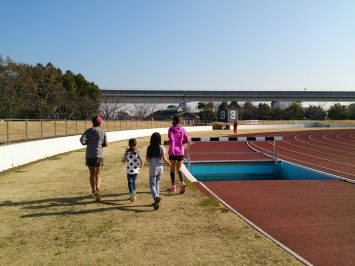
[
  {"x": 133, "y": 161},
  {"x": 156, "y": 157}
]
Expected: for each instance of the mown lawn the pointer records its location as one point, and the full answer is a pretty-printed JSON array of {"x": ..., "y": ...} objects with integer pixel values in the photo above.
[{"x": 47, "y": 218}]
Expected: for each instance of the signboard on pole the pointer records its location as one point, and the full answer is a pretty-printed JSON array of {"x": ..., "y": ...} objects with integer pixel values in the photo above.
[{"x": 228, "y": 115}]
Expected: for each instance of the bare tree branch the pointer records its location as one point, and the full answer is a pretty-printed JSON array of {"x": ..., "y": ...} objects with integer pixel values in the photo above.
[
  {"x": 143, "y": 110},
  {"x": 109, "y": 109}
]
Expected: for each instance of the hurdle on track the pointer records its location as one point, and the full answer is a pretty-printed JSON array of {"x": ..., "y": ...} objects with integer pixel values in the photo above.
[{"x": 273, "y": 155}]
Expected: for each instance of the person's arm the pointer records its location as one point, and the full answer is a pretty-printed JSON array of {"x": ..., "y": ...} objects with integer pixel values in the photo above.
[
  {"x": 83, "y": 139},
  {"x": 104, "y": 144},
  {"x": 146, "y": 157},
  {"x": 124, "y": 159},
  {"x": 141, "y": 163},
  {"x": 170, "y": 137},
  {"x": 185, "y": 139},
  {"x": 166, "y": 160},
  {"x": 164, "y": 156}
]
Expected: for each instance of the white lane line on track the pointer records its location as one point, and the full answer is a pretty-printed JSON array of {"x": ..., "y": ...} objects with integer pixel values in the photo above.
[
  {"x": 312, "y": 137},
  {"x": 302, "y": 147},
  {"x": 303, "y": 260},
  {"x": 339, "y": 136},
  {"x": 310, "y": 144},
  {"x": 347, "y": 143},
  {"x": 324, "y": 159},
  {"x": 304, "y": 162}
]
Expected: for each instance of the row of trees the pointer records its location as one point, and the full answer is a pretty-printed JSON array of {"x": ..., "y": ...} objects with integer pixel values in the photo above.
[
  {"x": 40, "y": 91},
  {"x": 263, "y": 111}
]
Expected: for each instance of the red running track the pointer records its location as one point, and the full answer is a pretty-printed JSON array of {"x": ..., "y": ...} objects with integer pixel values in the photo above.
[{"x": 315, "y": 219}]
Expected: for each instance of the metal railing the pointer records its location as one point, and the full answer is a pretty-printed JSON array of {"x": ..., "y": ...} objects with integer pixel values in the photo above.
[{"x": 18, "y": 130}]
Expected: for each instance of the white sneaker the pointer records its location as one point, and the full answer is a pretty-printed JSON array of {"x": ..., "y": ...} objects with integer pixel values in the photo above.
[{"x": 133, "y": 196}]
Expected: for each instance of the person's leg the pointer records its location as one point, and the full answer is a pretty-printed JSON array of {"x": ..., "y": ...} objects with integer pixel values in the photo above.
[
  {"x": 134, "y": 182},
  {"x": 157, "y": 185},
  {"x": 157, "y": 190},
  {"x": 178, "y": 169},
  {"x": 152, "y": 185},
  {"x": 172, "y": 172},
  {"x": 181, "y": 177},
  {"x": 92, "y": 178},
  {"x": 98, "y": 170},
  {"x": 172, "y": 175},
  {"x": 132, "y": 187},
  {"x": 130, "y": 183}
]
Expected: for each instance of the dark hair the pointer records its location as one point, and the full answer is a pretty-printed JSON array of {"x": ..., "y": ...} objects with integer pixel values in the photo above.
[
  {"x": 153, "y": 150},
  {"x": 176, "y": 120},
  {"x": 132, "y": 144},
  {"x": 96, "y": 121}
]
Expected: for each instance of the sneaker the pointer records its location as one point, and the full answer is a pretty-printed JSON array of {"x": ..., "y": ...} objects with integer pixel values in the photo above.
[
  {"x": 133, "y": 196},
  {"x": 156, "y": 203},
  {"x": 172, "y": 188},
  {"x": 182, "y": 187},
  {"x": 97, "y": 196},
  {"x": 93, "y": 194}
]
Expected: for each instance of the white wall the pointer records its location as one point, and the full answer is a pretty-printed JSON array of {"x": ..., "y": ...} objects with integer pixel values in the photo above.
[
  {"x": 295, "y": 125},
  {"x": 270, "y": 126},
  {"x": 21, "y": 153}
]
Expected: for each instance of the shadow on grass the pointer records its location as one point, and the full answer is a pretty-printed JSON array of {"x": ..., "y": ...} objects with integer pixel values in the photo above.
[
  {"x": 132, "y": 208},
  {"x": 169, "y": 194},
  {"x": 53, "y": 202},
  {"x": 45, "y": 204}
]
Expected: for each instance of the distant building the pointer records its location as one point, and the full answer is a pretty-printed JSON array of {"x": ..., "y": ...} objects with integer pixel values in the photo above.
[
  {"x": 171, "y": 110},
  {"x": 122, "y": 116}
]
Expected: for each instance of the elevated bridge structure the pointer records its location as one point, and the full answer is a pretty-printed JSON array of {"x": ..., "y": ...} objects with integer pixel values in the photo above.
[{"x": 174, "y": 96}]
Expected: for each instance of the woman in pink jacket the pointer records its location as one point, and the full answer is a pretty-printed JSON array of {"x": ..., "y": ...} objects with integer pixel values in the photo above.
[{"x": 177, "y": 138}]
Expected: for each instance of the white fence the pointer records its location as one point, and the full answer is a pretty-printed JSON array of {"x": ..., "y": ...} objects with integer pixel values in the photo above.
[{"x": 21, "y": 153}]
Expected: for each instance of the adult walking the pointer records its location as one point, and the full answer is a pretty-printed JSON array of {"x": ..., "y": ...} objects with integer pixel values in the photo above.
[
  {"x": 95, "y": 139},
  {"x": 177, "y": 138}
]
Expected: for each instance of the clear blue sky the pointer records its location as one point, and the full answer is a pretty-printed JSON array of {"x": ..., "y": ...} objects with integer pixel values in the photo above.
[{"x": 188, "y": 44}]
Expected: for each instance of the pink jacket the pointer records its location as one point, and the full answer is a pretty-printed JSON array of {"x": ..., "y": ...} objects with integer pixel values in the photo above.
[{"x": 177, "y": 138}]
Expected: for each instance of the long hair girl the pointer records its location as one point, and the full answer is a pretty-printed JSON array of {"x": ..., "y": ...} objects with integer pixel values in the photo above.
[{"x": 153, "y": 150}]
